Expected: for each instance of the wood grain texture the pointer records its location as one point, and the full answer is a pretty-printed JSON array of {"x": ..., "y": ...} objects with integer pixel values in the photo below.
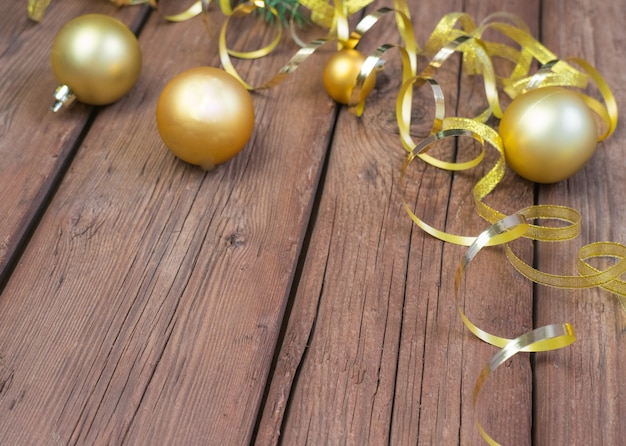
[
  {"x": 35, "y": 144},
  {"x": 495, "y": 297},
  {"x": 579, "y": 398},
  {"x": 340, "y": 347},
  {"x": 398, "y": 366},
  {"x": 286, "y": 297},
  {"x": 147, "y": 305}
]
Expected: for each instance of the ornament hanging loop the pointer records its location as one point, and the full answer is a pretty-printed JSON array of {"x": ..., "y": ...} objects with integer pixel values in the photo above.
[{"x": 63, "y": 96}]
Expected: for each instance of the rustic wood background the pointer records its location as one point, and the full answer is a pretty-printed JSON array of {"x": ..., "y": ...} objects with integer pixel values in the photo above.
[{"x": 286, "y": 297}]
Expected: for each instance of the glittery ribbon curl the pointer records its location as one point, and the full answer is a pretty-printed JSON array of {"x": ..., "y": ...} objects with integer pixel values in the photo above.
[
  {"x": 546, "y": 338},
  {"x": 554, "y": 72},
  {"x": 477, "y": 55}
]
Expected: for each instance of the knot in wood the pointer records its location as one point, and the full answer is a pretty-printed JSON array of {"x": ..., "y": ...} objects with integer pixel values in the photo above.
[{"x": 235, "y": 239}]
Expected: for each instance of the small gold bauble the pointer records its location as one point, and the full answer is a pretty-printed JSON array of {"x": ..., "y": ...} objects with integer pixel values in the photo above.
[
  {"x": 548, "y": 134},
  {"x": 97, "y": 57},
  {"x": 205, "y": 116},
  {"x": 340, "y": 75}
]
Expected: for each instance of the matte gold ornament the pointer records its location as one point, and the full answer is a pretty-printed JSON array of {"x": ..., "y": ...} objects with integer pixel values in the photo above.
[
  {"x": 97, "y": 60},
  {"x": 548, "y": 134},
  {"x": 340, "y": 75},
  {"x": 205, "y": 116}
]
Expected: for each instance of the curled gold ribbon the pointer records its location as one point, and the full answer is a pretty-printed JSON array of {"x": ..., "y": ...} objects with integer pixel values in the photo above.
[
  {"x": 527, "y": 222},
  {"x": 325, "y": 15},
  {"x": 511, "y": 227},
  {"x": 608, "y": 111},
  {"x": 408, "y": 53},
  {"x": 37, "y": 8},
  {"x": 505, "y": 230},
  {"x": 589, "y": 276},
  {"x": 477, "y": 52},
  {"x": 549, "y": 337},
  {"x": 604, "y": 249},
  {"x": 343, "y": 37},
  {"x": 192, "y": 11}
]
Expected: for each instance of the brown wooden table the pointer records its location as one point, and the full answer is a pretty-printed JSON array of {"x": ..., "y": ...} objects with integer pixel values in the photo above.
[{"x": 286, "y": 296}]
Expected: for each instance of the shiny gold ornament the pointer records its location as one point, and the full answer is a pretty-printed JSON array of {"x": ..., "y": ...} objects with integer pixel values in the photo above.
[
  {"x": 205, "y": 116},
  {"x": 340, "y": 75},
  {"x": 548, "y": 134},
  {"x": 96, "y": 58}
]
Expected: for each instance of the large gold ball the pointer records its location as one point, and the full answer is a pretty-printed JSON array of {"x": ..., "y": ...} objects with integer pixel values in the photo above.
[
  {"x": 548, "y": 134},
  {"x": 97, "y": 57},
  {"x": 205, "y": 116},
  {"x": 340, "y": 75}
]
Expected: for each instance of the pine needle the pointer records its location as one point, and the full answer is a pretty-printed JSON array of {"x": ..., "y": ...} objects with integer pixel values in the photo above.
[{"x": 286, "y": 9}]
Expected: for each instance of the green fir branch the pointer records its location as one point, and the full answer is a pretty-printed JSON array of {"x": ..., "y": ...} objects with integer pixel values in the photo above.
[{"x": 286, "y": 9}]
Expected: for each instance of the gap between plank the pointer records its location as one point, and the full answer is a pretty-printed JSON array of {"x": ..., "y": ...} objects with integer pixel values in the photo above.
[
  {"x": 294, "y": 289},
  {"x": 50, "y": 187}
]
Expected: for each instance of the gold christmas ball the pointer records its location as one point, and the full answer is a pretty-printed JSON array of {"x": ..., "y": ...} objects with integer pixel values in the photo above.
[
  {"x": 548, "y": 134},
  {"x": 340, "y": 75},
  {"x": 97, "y": 57},
  {"x": 205, "y": 116}
]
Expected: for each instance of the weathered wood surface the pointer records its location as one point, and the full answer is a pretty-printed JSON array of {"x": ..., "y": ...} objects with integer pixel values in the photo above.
[
  {"x": 147, "y": 304},
  {"x": 375, "y": 342},
  {"x": 579, "y": 390},
  {"x": 35, "y": 148},
  {"x": 286, "y": 297}
]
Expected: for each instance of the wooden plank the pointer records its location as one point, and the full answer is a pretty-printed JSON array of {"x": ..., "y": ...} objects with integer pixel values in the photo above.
[
  {"x": 375, "y": 351},
  {"x": 35, "y": 144},
  {"x": 495, "y": 298},
  {"x": 147, "y": 305},
  {"x": 337, "y": 365},
  {"x": 579, "y": 396}
]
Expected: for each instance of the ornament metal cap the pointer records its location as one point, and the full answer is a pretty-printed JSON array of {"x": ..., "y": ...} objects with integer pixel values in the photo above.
[{"x": 63, "y": 96}]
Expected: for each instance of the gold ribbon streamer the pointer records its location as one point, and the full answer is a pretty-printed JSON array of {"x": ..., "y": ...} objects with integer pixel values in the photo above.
[
  {"x": 608, "y": 111},
  {"x": 604, "y": 249},
  {"x": 408, "y": 53},
  {"x": 37, "y": 8},
  {"x": 505, "y": 230},
  {"x": 343, "y": 37},
  {"x": 325, "y": 15},
  {"x": 195, "y": 9},
  {"x": 478, "y": 54},
  {"x": 550, "y": 337},
  {"x": 589, "y": 276},
  {"x": 455, "y": 127}
]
